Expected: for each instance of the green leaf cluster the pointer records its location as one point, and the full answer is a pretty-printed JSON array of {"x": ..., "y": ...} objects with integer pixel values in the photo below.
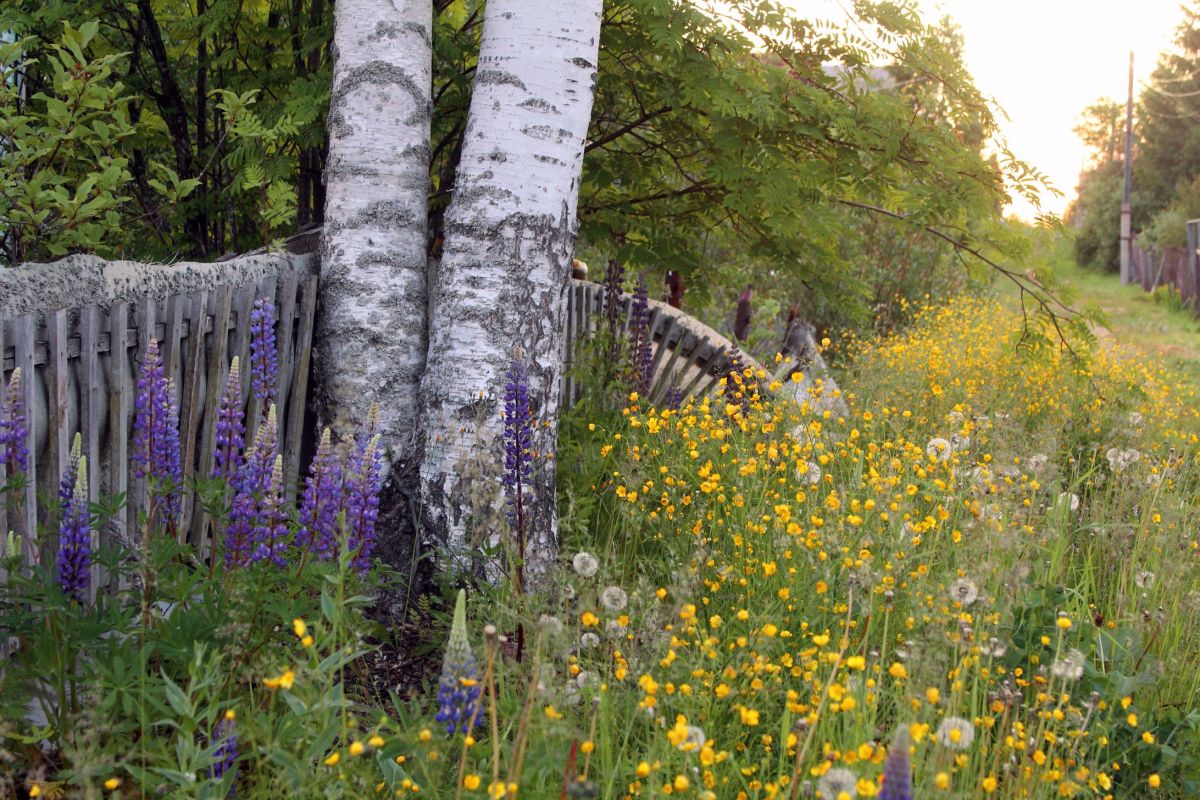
[{"x": 63, "y": 169}]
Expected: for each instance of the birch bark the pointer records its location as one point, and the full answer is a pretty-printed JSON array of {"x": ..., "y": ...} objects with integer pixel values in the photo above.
[
  {"x": 372, "y": 339},
  {"x": 372, "y": 322},
  {"x": 501, "y": 288}
]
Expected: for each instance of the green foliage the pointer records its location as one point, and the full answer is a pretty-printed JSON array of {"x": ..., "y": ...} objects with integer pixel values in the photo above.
[
  {"x": 182, "y": 74},
  {"x": 63, "y": 168},
  {"x": 97, "y": 692},
  {"x": 260, "y": 177},
  {"x": 733, "y": 136}
]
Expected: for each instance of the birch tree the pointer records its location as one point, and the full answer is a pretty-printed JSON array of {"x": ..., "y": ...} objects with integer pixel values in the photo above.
[
  {"x": 372, "y": 337},
  {"x": 501, "y": 287}
]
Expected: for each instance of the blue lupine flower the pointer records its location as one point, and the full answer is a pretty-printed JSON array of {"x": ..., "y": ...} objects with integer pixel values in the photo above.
[
  {"x": 66, "y": 486},
  {"x": 263, "y": 359},
  {"x": 248, "y": 522},
  {"x": 74, "y": 561},
  {"x": 641, "y": 342},
  {"x": 458, "y": 688},
  {"x": 238, "y": 544},
  {"x": 897, "y": 774},
  {"x": 156, "y": 454},
  {"x": 321, "y": 502},
  {"x": 270, "y": 534},
  {"x": 363, "y": 484},
  {"x": 231, "y": 429},
  {"x": 614, "y": 276},
  {"x": 13, "y": 451},
  {"x": 518, "y": 444},
  {"x": 226, "y": 753}
]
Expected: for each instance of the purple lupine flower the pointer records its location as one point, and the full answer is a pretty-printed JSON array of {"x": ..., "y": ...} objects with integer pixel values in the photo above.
[
  {"x": 263, "y": 359},
  {"x": 238, "y": 543},
  {"x": 247, "y": 521},
  {"x": 270, "y": 531},
  {"x": 225, "y": 754},
  {"x": 897, "y": 774},
  {"x": 13, "y": 451},
  {"x": 518, "y": 444},
  {"x": 231, "y": 429},
  {"x": 641, "y": 342},
  {"x": 674, "y": 399},
  {"x": 156, "y": 454},
  {"x": 614, "y": 276},
  {"x": 66, "y": 486},
  {"x": 458, "y": 687},
  {"x": 74, "y": 561},
  {"x": 362, "y": 500},
  {"x": 322, "y": 500}
]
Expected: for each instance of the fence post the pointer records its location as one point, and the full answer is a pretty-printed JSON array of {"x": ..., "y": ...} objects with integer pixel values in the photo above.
[{"x": 1193, "y": 242}]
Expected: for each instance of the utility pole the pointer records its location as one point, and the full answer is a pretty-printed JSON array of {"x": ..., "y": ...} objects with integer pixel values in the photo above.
[{"x": 1126, "y": 211}]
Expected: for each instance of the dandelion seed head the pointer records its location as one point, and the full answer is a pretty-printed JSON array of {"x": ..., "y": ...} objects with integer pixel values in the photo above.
[
  {"x": 837, "y": 783},
  {"x": 964, "y": 591},
  {"x": 585, "y": 564},
  {"x": 614, "y": 598}
]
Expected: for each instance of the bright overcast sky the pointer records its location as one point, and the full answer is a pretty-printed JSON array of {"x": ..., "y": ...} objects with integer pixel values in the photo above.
[{"x": 1043, "y": 61}]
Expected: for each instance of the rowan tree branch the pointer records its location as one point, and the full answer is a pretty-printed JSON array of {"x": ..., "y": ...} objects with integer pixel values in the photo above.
[{"x": 1039, "y": 293}]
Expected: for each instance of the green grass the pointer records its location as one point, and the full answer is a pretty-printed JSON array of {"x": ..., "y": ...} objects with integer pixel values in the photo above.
[{"x": 1151, "y": 322}]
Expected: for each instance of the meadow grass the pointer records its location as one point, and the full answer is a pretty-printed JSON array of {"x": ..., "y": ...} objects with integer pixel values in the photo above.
[{"x": 976, "y": 567}]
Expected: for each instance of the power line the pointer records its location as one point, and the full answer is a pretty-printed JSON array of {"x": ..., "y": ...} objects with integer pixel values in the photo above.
[{"x": 1165, "y": 93}]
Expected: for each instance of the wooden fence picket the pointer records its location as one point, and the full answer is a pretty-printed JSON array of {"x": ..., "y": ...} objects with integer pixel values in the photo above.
[{"x": 79, "y": 360}]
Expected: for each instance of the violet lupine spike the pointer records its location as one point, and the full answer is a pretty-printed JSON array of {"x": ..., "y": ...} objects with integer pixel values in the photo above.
[
  {"x": 641, "y": 343},
  {"x": 250, "y": 486},
  {"x": 614, "y": 276},
  {"x": 897, "y": 774},
  {"x": 255, "y": 474},
  {"x": 66, "y": 486},
  {"x": 156, "y": 452},
  {"x": 458, "y": 687},
  {"x": 225, "y": 754},
  {"x": 321, "y": 502},
  {"x": 238, "y": 542},
  {"x": 13, "y": 450},
  {"x": 674, "y": 398},
  {"x": 263, "y": 358},
  {"x": 231, "y": 428},
  {"x": 270, "y": 534},
  {"x": 518, "y": 442},
  {"x": 74, "y": 561},
  {"x": 362, "y": 500}
]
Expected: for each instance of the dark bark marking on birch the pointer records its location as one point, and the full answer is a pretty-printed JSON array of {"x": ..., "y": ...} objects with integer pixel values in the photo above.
[
  {"x": 498, "y": 76},
  {"x": 374, "y": 73}
]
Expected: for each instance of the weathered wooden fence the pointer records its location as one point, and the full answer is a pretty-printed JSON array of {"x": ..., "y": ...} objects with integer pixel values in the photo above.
[
  {"x": 79, "y": 329},
  {"x": 689, "y": 356},
  {"x": 80, "y": 362},
  {"x": 1178, "y": 267}
]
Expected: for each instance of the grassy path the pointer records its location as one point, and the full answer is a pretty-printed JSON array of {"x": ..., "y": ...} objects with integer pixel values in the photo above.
[{"x": 1133, "y": 316}]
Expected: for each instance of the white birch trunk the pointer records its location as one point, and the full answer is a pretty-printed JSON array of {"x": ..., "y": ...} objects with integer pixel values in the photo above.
[
  {"x": 371, "y": 340},
  {"x": 501, "y": 289}
]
